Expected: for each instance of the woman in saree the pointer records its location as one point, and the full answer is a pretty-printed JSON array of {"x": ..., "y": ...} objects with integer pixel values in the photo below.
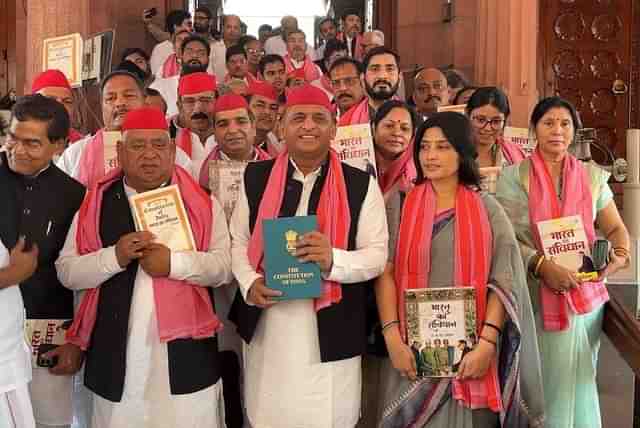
[
  {"x": 452, "y": 234},
  {"x": 553, "y": 184},
  {"x": 393, "y": 128}
]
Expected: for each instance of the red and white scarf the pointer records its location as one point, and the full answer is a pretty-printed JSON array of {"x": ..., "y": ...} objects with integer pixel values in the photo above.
[
  {"x": 311, "y": 71},
  {"x": 334, "y": 217},
  {"x": 170, "y": 67},
  {"x": 511, "y": 152},
  {"x": 402, "y": 171},
  {"x": 356, "y": 115},
  {"x": 91, "y": 168},
  {"x": 472, "y": 258},
  {"x": 544, "y": 205},
  {"x": 184, "y": 310}
]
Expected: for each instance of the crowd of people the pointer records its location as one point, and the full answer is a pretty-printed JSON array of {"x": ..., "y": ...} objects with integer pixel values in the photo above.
[{"x": 161, "y": 338}]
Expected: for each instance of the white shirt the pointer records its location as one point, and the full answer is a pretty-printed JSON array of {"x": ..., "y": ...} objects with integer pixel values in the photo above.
[
  {"x": 218, "y": 60},
  {"x": 159, "y": 55},
  {"x": 146, "y": 399},
  {"x": 276, "y": 45},
  {"x": 199, "y": 152},
  {"x": 69, "y": 162},
  {"x": 168, "y": 88},
  {"x": 15, "y": 356},
  {"x": 287, "y": 386}
]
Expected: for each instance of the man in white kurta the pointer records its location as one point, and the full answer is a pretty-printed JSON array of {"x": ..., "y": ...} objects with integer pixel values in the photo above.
[
  {"x": 146, "y": 399},
  {"x": 177, "y": 20},
  {"x": 286, "y": 383}
]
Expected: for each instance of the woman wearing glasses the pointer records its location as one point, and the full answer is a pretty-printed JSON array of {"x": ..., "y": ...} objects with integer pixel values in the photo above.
[{"x": 488, "y": 109}]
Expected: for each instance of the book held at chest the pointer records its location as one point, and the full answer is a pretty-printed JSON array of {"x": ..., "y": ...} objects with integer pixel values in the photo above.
[
  {"x": 225, "y": 179},
  {"x": 565, "y": 243},
  {"x": 283, "y": 271},
  {"x": 354, "y": 145},
  {"x": 441, "y": 328},
  {"x": 161, "y": 212}
]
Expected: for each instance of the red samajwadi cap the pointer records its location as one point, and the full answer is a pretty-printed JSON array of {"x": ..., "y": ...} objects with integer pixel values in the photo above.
[
  {"x": 230, "y": 101},
  {"x": 308, "y": 95},
  {"x": 145, "y": 118},
  {"x": 263, "y": 89},
  {"x": 50, "y": 79},
  {"x": 195, "y": 83}
]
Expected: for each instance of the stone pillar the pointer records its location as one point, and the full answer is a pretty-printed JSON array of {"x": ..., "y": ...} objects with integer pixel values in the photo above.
[{"x": 507, "y": 52}]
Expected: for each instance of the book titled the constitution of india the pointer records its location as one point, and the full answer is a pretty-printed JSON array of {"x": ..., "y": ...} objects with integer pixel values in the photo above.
[
  {"x": 441, "y": 328},
  {"x": 225, "y": 179},
  {"x": 161, "y": 212},
  {"x": 110, "y": 140},
  {"x": 520, "y": 137},
  {"x": 565, "y": 242},
  {"x": 283, "y": 271},
  {"x": 40, "y": 332},
  {"x": 354, "y": 145}
]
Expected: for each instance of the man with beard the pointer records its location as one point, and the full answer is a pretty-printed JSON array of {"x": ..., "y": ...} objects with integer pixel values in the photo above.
[
  {"x": 231, "y": 33},
  {"x": 328, "y": 31},
  {"x": 202, "y": 22},
  {"x": 381, "y": 80},
  {"x": 195, "y": 58},
  {"x": 121, "y": 92},
  {"x": 352, "y": 24},
  {"x": 171, "y": 66},
  {"x": 273, "y": 71},
  {"x": 297, "y": 59},
  {"x": 141, "y": 59},
  {"x": 430, "y": 91},
  {"x": 147, "y": 320},
  {"x": 303, "y": 357},
  {"x": 344, "y": 76},
  {"x": 263, "y": 103},
  {"x": 194, "y": 124},
  {"x": 54, "y": 84},
  {"x": 177, "y": 20}
]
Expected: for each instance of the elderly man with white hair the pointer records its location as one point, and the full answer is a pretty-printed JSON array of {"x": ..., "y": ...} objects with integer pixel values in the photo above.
[{"x": 277, "y": 45}]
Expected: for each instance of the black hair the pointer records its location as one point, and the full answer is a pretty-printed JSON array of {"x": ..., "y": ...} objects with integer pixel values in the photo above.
[
  {"x": 380, "y": 50},
  {"x": 265, "y": 27},
  {"x": 456, "y": 128},
  {"x": 296, "y": 31},
  {"x": 386, "y": 108},
  {"x": 489, "y": 95},
  {"x": 333, "y": 46},
  {"x": 131, "y": 51},
  {"x": 455, "y": 78},
  {"x": 546, "y": 104},
  {"x": 246, "y": 39},
  {"x": 118, "y": 72},
  {"x": 43, "y": 109},
  {"x": 456, "y": 99},
  {"x": 132, "y": 68},
  {"x": 150, "y": 92},
  {"x": 349, "y": 12},
  {"x": 175, "y": 18},
  {"x": 196, "y": 38},
  {"x": 205, "y": 10},
  {"x": 327, "y": 19},
  {"x": 344, "y": 61},
  {"x": 234, "y": 50},
  {"x": 270, "y": 59}
]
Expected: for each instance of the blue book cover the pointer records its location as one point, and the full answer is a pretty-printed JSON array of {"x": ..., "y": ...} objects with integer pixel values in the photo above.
[{"x": 283, "y": 271}]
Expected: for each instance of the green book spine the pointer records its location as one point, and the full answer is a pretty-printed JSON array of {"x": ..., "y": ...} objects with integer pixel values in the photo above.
[{"x": 283, "y": 271}]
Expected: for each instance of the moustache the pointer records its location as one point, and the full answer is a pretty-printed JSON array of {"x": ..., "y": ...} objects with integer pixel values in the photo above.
[
  {"x": 344, "y": 96},
  {"x": 199, "y": 115},
  {"x": 118, "y": 112},
  {"x": 385, "y": 82},
  {"x": 433, "y": 97}
]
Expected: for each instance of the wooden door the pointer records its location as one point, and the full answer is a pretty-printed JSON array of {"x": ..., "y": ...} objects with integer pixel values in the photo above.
[
  {"x": 4, "y": 49},
  {"x": 587, "y": 60}
]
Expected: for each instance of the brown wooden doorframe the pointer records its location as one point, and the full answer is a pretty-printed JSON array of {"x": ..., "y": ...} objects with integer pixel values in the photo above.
[
  {"x": 385, "y": 19},
  {"x": 634, "y": 83}
]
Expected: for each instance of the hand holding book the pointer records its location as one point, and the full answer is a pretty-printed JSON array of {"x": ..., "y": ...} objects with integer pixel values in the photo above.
[
  {"x": 315, "y": 247},
  {"x": 261, "y": 296}
]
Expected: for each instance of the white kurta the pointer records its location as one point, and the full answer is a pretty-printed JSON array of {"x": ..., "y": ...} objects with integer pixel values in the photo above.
[
  {"x": 287, "y": 386},
  {"x": 15, "y": 357},
  {"x": 146, "y": 399},
  {"x": 168, "y": 88},
  {"x": 159, "y": 55},
  {"x": 276, "y": 45},
  {"x": 69, "y": 162},
  {"x": 217, "y": 60}
]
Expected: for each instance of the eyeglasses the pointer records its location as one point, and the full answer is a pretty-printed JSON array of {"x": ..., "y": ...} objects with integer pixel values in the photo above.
[
  {"x": 481, "y": 122},
  {"x": 347, "y": 81},
  {"x": 255, "y": 51}
]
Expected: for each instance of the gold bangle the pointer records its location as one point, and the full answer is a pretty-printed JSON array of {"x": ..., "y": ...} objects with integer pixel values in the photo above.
[{"x": 536, "y": 271}]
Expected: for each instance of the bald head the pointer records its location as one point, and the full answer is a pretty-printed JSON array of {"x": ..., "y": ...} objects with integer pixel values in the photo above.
[
  {"x": 431, "y": 90},
  {"x": 289, "y": 23},
  {"x": 231, "y": 29},
  {"x": 372, "y": 39}
]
